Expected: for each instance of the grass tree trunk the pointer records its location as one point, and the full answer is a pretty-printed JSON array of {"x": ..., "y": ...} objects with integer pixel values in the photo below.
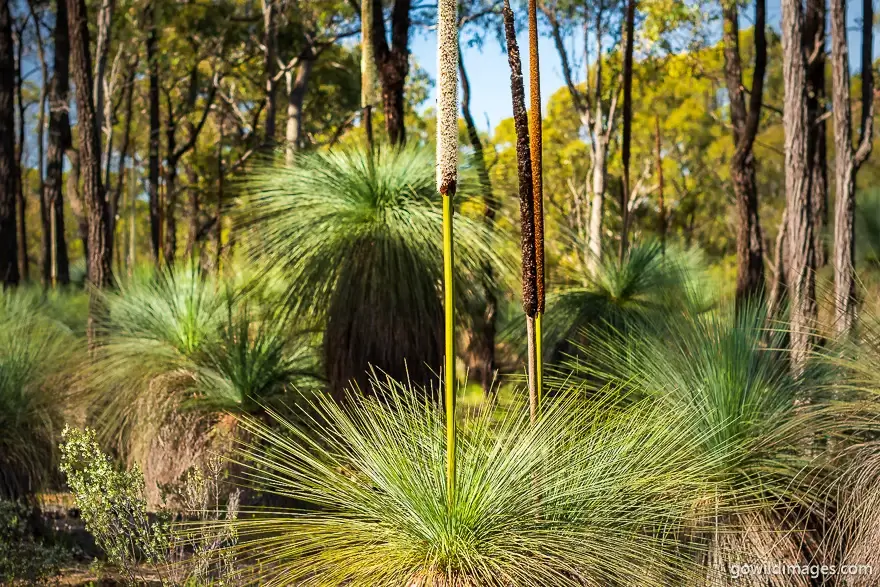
[
  {"x": 801, "y": 266},
  {"x": 848, "y": 160},
  {"x": 814, "y": 47},
  {"x": 745, "y": 119},
  {"x": 536, "y": 156},
  {"x": 8, "y": 165},
  {"x": 487, "y": 328},
  {"x": 447, "y": 177},
  {"x": 597, "y": 205},
  {"x": 526, "y": 199}
]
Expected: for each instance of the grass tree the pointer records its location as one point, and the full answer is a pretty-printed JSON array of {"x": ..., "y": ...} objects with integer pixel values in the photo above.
[
  {"x": 353, "y": 233},
  {"x": 526, "y": 202},
  {"x": 34, "y": 351},
  {"x": 447, "y": 179},
  {"x": 585, "y": 496}
]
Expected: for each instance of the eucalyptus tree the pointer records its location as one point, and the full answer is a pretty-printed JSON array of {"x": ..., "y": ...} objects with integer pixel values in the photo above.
[
  {"x": 848, "y": 160},
  {"x": 8, "y": 163},
  {"x": 595, "y": 103},
  {"x": 392, "y": 63},
  {"x": 800, "y": 241},
  {"x": 745, "y": 120}
]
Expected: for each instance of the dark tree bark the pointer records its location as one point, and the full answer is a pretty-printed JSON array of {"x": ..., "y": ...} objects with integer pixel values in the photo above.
[
  {"x": 801, "y": 266},
  {"x": 155, "y": 130},
  {"x": 814, "y": 47},
  {"x": 745, "y": 120},
  {"x": 100, "y": 240},
  {"x": 627, "y": 123},
  {"x": 175, "y": 154},
  {"x": 486, "y": 330},
  {"x": 21, "y": 204},
  {"x": 55, "y": 261},
  {"x": 392, "y": 63},
  {"x": 8, "y": 164},
  {"x": 847, "y": 159},
  {"x": 661, "y": 203}
]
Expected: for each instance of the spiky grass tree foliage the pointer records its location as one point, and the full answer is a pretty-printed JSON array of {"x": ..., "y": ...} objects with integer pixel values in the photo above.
[
  {"x": 583, "y": 497},
  {"x": 182, "y": 341},
  {"x": 647, "y": 284},
  {"x": 763, "y": 428},
  {"x": 33, "y": 350},
  {"x": 357, "y": 236}
]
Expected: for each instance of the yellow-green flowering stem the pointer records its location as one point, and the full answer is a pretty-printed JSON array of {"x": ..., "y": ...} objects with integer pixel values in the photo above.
[
  {"x": 539, "y": 360},
  {"x": 449, "y": 367}
]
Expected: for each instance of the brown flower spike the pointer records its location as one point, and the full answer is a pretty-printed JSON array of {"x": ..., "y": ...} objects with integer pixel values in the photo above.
[{"x": 524, "y": 167}]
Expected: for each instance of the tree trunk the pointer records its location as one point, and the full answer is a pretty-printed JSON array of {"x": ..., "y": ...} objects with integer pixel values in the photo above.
[
  {"x": 778, "y": 291},
  {"x": 296, "y": 92},
  {"x": 8, "y": 165},
  {"x": 193, "y": 212},
  {"x": 155, "y": 130},
  {"x": 847, "y": 160},
  {"x": 21, "y": 203},
  {"x": 270, "y": 50},
  {"x": 102, "y": 50},
  {"x": 597, "y": 207},
  {"x": 814, "y": 47},
  {"x": 99, "y": 240},
  {"x": 170, "y": 234},
  {"x": 801, "y": 242},
  {"x": 123, "y": 147},
  {"x": 45, "y": 217},
  {"x": 627, "y": 123},
  {"x": 393, "y": 65},
  {"x": 661, "y": 203},
  {"x": 56, "y": 268},
  {"x": 749, "y": 238}
]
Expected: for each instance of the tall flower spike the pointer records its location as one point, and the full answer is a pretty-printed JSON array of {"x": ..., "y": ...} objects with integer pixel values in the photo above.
[
  {"x": 524, "y": 167},
  {"x": 447, "y": 175},
  {"x": 447, "y": 99},
  {"x": 526, "y": 206},
  {"x": 536, "y": 141}
]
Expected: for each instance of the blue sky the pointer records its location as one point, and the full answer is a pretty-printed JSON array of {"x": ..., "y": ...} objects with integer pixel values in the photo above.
[{"x": 489, "y": 73}]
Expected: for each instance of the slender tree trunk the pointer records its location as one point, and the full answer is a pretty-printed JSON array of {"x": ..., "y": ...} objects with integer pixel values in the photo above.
[
  {"x": 848, "y": 160},
  {"x": 597, "y": 206},
  {"x": 155, "y": 130},
  {"x": 170, "y": 234},
  {"x": 627, "y": 123},
  {"x": 745, "y": 120},
  {"x": 661, "y": 203},
  {"x": 270, "y": 51},
  {"x": 393, "y": 65},
  {"x": 100, "y": 240},
  {"x": 8, "y": 164},
  {"x": 124, "y": 146},
  {"x": 801, "y": 242},
  {"x": 487, "y": 328},
  {"x": 21, "y": 202},
  {"x": 55, "y": 259},
  {"x": 102, "y": 50},
  {"x": 778, "y": 291},
  {"x": 193, "y": 211},
  {"x": 296, "y": 92},
  {"x": 814, "y": 47},
  {"x": 45, "y": 217}
]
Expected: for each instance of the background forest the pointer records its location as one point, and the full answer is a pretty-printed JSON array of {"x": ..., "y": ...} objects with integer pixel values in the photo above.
[{"x": 280, "y": 307}]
